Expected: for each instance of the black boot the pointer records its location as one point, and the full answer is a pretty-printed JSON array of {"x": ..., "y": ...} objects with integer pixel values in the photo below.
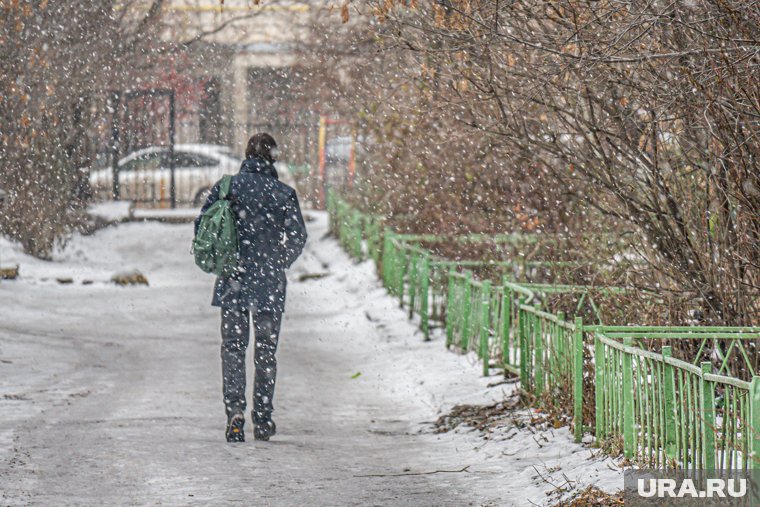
[
  {"x": 264, "y": 429},
  {"x": 235, "y": 428}
]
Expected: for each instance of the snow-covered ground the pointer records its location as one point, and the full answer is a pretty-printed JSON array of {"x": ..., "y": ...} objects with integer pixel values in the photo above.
[
  {"x": 112, "y": 395},
  {"x": 112, "y": 211}
]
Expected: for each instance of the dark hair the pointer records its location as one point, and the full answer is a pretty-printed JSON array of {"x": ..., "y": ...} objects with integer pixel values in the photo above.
[{"x": 260, "y": 145}]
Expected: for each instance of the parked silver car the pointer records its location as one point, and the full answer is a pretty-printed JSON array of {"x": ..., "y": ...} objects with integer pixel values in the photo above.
[{"x": 144, "y": 175}]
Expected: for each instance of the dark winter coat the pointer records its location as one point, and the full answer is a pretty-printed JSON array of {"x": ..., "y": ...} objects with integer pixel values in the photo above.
[{"x": 271, "y": 236}]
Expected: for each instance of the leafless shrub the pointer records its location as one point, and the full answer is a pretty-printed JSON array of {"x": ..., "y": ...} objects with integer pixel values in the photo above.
[
  {"x": 60, "y": 61},
  {"x": 645, "y": 113}
]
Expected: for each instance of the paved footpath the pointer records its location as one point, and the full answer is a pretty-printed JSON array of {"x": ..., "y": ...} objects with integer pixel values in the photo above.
[{"x": 112, "y": 396}]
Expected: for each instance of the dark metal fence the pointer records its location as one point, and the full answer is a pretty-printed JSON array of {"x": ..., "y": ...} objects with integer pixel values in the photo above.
[
  {"x": 144, "y": 124},
  {"x": 157, "y": 149},
  {"x": 152, "y": 154}
]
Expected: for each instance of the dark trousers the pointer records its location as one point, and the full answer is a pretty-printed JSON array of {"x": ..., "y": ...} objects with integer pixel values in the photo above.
[{"x": 235, "y": 336}]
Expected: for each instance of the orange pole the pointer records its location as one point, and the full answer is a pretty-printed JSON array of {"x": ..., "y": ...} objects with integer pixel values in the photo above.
[{"x": 321, "y": 144}]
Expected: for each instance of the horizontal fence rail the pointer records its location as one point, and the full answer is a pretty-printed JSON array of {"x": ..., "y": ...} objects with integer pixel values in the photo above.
[{"x": 657, "y": 409}]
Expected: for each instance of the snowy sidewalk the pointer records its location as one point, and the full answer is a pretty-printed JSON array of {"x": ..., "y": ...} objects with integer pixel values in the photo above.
[{"x": 112, "y": 396}]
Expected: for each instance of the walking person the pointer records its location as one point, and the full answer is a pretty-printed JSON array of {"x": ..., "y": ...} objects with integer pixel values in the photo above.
[{"x": 271, "y": 236}]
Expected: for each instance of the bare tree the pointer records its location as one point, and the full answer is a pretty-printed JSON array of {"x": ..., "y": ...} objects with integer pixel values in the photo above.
[
  {"x": 60, "y": 54},
  {"x": 422, "y": 168},
  {"x": 644, "y": 111},
  {"x": 61, "y": 60}
]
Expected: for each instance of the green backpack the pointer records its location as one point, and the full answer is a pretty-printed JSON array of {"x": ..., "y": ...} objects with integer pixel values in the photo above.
[{"x": 215, "y": 245}]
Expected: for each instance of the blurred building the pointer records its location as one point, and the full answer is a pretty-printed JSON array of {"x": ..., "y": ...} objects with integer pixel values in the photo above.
[{"x": 245, "y": 55}]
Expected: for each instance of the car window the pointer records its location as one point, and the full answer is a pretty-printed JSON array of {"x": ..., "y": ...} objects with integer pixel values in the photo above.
[
  {"x": 146, "y": 162},
  {"x": 185, "y": 159}
]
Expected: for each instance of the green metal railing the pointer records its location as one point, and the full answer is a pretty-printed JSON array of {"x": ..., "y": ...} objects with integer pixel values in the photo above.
[
  {"x": 672, "y": 413},
  {"x": 419, "y": 279},
  {"x": 662, "y": 410},
  {"x": 480, "y": 318},
  {"x": 552, "y": 358},
  {"x": 473, "y": 311},
  {"x": 359, "y": 233}
]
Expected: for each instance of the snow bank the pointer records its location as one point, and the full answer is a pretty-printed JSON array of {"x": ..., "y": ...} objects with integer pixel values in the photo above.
[{"x": 112, "y": 211}]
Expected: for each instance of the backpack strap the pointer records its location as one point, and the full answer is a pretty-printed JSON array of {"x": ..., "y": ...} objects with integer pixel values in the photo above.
[{"x": 224, "y": 186}]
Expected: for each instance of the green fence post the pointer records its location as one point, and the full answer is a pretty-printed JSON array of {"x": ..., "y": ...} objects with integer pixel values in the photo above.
[
  {"x": 530, "y": 353},
  {"x": 395, "y": 270},
  {"x": 754, "y": 423},
  {"x": 599, "y": 362},
  {"x": 424, "y": 289},
  {"x": 393, "y": 262},
  {"x": 538, "y": 352},
  {"x": 670, "y": 404},
  {"x": 578, "y": 379},
  {"x": 485, "y": 352},
  {"x": 379, "y": 236},
  {"x": 384, "y": 269},
  {"x": 402, "y": 264},
  {"x": 556, "y": 351},
  {"x": 627, "y": 394},
  {"x": 369, "y": 232},
  {"x": 708, "y": 418},
  {"x": 375, "y": 243},
  {"x": 522, "y": 341},
  {"x": 450, "y": 315},
  {"x": 412, "y": 283},
  {"x": 464, "y": 342},
  {"x": 506, "y": 324}
]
